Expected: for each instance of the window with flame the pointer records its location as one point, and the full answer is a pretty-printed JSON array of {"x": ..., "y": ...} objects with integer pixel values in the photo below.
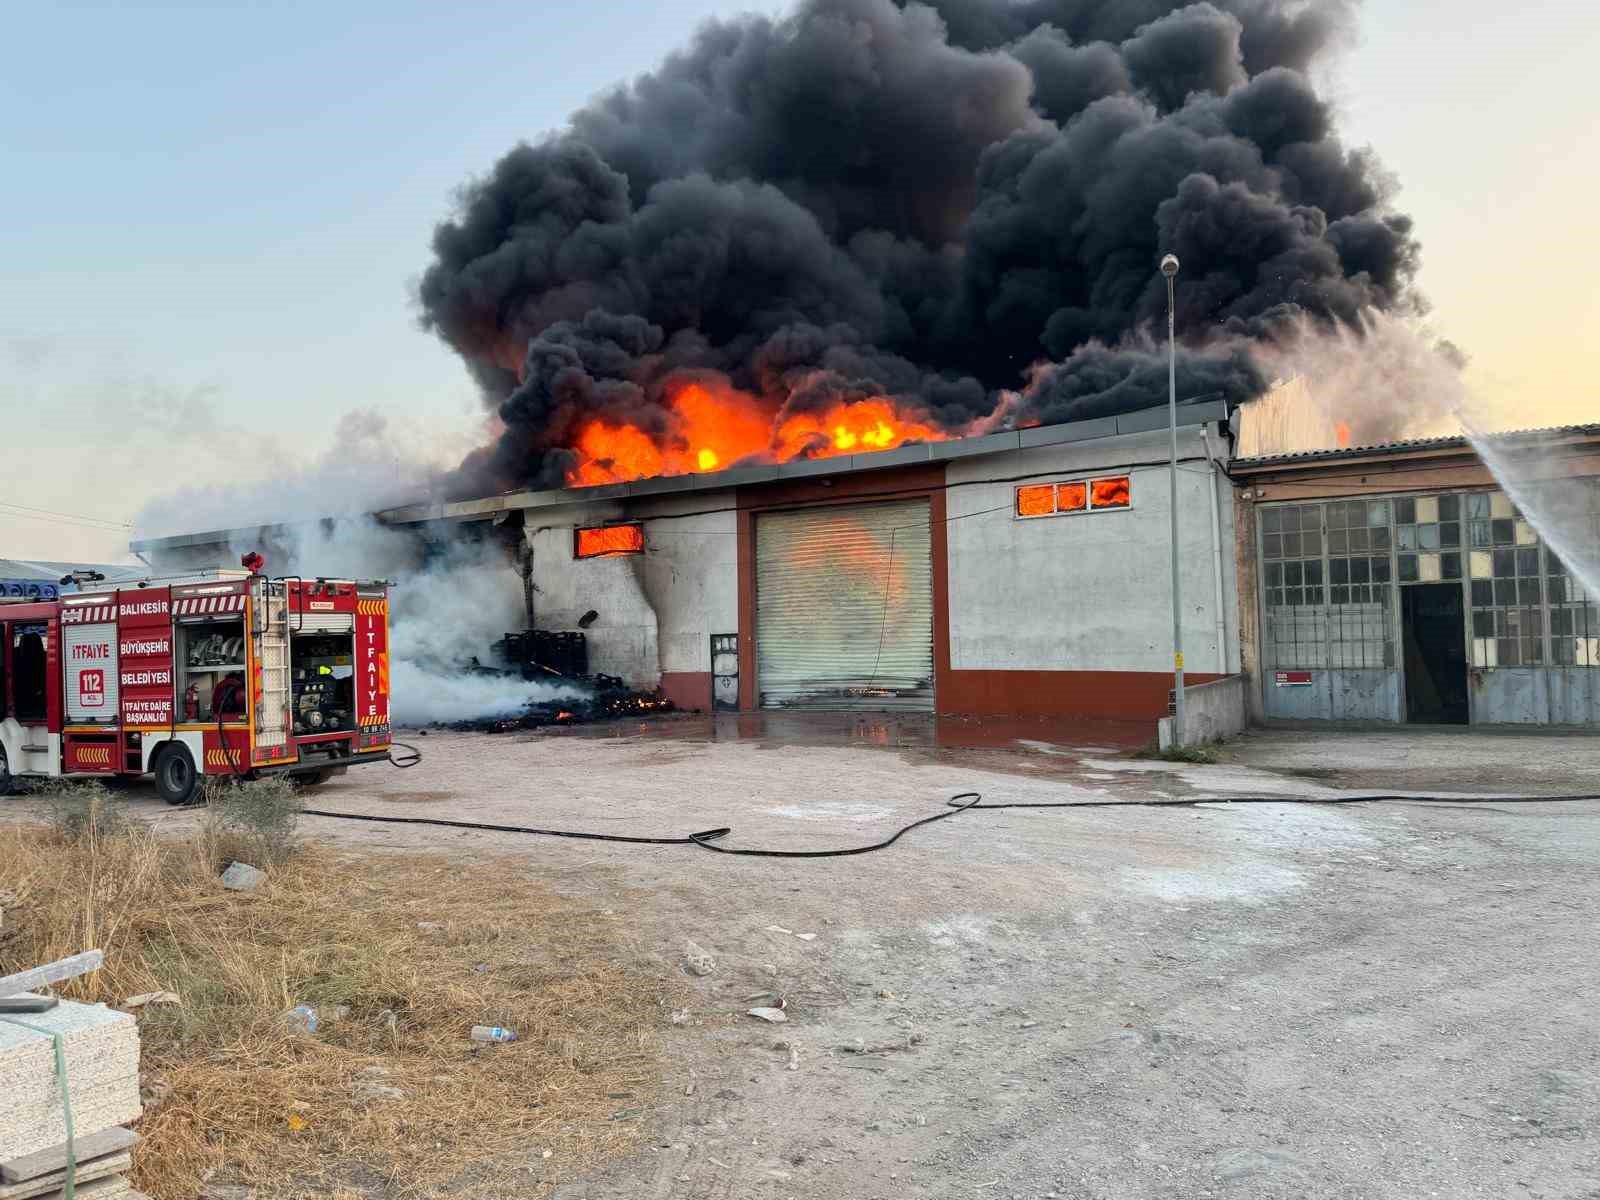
[
  {"x": 606, "y": 541},
  {"x": 1074, "y": 496}
]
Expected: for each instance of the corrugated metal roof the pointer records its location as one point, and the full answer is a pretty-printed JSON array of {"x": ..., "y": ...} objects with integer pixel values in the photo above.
[{"x": 1455, "y": 441}]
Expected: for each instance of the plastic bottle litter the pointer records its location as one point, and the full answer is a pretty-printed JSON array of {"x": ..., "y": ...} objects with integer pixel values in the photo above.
[
  {"x": 302, "y": 1017},
  {"x": 493, "y": 1033}
]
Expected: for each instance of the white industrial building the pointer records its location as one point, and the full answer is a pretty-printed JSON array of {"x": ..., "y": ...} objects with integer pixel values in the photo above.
[{"x": 1027, "y": 573}]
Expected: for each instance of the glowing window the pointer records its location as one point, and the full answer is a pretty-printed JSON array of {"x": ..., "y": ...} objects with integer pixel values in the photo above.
[
  {"x": 1110, "y": 493},
  {"x": 1036, "y": 501},
  {"x": 1072, "y": 497},
  {"x": 606, "y": 540}
]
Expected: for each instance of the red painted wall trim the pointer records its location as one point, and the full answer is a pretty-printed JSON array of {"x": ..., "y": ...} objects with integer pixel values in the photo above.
[
  {"x": 688, "y": 689},
  {"x": 923, "y": 481},
  {"x": 1108, "y": 695}
]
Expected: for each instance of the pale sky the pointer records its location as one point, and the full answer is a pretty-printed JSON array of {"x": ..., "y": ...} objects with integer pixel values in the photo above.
[{"x": 212, "y": 218}]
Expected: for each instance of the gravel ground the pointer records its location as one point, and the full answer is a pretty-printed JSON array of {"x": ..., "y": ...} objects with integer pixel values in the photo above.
[{"x": 1273, "y": 1000}]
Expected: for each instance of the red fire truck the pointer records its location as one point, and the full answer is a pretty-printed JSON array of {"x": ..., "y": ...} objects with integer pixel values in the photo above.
[{"x": 223, "y": 673}]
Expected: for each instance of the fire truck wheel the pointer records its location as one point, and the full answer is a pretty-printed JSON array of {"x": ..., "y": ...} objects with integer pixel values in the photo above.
[
  {"x": 8, "y": 783},
  {"x": 176, "y": 779}
]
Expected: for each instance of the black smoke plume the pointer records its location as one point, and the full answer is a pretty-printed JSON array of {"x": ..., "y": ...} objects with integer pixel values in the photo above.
[{"x": 944, "y": 203}]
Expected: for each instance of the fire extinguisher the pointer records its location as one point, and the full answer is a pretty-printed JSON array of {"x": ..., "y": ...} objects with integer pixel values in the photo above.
[{"x": 191, "y": 703}]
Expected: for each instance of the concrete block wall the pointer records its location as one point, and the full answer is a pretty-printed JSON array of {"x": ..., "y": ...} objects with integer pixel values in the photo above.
[
  {"x": 656, "y": 611},
  {"x": 1212, "y": 711},
  {"x": 1088, "y": 591},
  {"x": 689, "y": 573},
  {"x": 624, "y": 637}
]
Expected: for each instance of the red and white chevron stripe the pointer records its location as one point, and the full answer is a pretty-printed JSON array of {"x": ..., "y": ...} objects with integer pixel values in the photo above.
[
  {"x": 88, "y": 614},
  {"x": 192, "y": 606}
]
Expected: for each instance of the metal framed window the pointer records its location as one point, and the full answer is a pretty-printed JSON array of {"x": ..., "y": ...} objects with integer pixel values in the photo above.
[
  {"x": 1330, "y": 571},
  {"x": 1327, "y": 574},
  {"x": 1506, "y": 595},
  {"x": 1574, "y": 617},
  {"x": 1295, "y": 581},
  {"x": 607, "y": 541},
  {"x": 1103, "y": 493}
]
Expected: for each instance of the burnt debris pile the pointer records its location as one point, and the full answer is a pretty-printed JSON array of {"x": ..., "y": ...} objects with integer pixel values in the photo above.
[{"x": 575, "y": 696}]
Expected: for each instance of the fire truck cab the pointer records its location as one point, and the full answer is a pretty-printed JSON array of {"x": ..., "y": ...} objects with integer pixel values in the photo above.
[{"x": 228, "y": 673}]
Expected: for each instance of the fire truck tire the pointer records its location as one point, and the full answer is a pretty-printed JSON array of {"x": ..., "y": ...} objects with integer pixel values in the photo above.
[
  {"x": 317, "y": 778},
  {"x": 8, "y": 782},
  {"x": 177, "y": 781}
]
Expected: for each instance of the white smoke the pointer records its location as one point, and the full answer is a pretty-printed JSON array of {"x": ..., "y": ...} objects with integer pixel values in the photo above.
[
  {"x": 448, "y": 605},
  {"x": 373, "y": 464},
  {"x": 1389, "y": 381},
  {"x": 422, "y": 697},
  {"x": 449, "y": 602}
]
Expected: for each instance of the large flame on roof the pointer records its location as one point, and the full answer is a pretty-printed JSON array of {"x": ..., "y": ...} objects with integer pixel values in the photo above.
[{"x": 713, "y": 427}]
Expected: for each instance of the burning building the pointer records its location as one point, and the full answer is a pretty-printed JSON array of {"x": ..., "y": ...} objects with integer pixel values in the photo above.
[
  {"x": 1020, "y": 572},
  {"x": 1025, "y": 573},
  {"x": 822, "y": 367}
]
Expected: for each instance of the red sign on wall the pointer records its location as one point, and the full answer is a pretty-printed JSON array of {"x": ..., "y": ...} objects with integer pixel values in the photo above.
[{"x": 1293, "y": 679}]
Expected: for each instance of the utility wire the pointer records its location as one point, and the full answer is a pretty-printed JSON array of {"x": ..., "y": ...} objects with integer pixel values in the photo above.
[{"x": 48, "y": 514}]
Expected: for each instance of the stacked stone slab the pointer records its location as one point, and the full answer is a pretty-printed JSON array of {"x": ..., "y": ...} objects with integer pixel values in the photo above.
[{"x": 101, "y": 1048}]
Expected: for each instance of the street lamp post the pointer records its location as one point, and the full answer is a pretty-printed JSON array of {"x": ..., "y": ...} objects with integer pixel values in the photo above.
[{"x": 1169, "y": 268}]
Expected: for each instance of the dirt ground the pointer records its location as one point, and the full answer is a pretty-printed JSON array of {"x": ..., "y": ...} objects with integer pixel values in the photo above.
[{"x": 1280, "y": 1000}]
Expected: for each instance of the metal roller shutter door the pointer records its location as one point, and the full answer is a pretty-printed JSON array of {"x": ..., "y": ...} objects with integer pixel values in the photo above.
[
  {"x": 844, "y": 607},
  {"x": 92, "y": 673},
  {"x": 322, "y": 622}
]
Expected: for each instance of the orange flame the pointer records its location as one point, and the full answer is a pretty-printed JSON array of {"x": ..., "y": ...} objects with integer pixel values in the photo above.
[
  {"x": 715, "y": 427},
  {"x": 1342, "y": 432},
  {"x": 1109, "y": 493},
  {"x": 605, "y": 540}
]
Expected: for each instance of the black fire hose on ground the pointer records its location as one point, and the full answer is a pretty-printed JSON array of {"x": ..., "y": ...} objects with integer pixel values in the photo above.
[
  {"x": 1377, "y": 798},
  {"x": 706, "y": 839},
  {"x": 960, "y": 803},
  {"x": 410, "y": 759}
]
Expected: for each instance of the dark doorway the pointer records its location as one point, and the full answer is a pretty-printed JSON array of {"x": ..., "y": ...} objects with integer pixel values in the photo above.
[{"x": 1434, "y": 621}]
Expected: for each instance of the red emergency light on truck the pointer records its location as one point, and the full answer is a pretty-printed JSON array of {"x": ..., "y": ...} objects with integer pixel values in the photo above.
[{"x": 227, "y": 673}]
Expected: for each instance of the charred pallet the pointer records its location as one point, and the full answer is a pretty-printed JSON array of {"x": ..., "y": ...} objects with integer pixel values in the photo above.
[{"x": 590, "y": 698}]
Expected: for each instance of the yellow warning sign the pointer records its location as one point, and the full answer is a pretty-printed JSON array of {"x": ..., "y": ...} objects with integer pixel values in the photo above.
[{"x": 1177, "y": 661}]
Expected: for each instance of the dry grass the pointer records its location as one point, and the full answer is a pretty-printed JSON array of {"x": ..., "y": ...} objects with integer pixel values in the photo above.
[
  {"x": 294, "y": 1115},
  {"x": 253, "y": 822}
]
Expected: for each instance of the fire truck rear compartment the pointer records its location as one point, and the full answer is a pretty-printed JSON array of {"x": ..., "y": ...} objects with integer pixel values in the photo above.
[{"x": 322, "y": 667}]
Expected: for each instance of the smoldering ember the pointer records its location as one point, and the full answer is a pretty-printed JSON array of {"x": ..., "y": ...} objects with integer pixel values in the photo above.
[{"x": 1008, "y": 439}]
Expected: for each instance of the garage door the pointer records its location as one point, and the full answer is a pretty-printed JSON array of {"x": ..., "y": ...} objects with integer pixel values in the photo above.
[{"x": 844, "y": 607}]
